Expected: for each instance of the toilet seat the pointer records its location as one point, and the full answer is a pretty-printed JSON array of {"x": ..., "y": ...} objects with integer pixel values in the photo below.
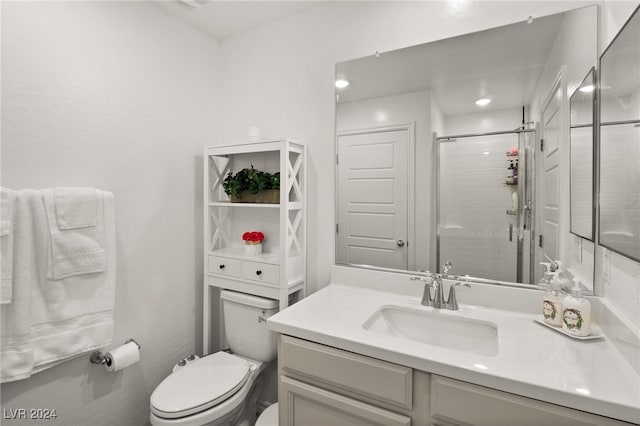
[{"x": 202, "y": 384}]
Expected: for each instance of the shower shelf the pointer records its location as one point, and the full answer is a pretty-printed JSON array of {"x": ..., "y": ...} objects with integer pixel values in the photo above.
[
  {"x": 511, "y": 184},
  {"x": 512, "y": 212}
]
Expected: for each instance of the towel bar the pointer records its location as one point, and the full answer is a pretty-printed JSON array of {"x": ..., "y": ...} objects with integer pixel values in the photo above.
[{"x": 97, "y": 357}]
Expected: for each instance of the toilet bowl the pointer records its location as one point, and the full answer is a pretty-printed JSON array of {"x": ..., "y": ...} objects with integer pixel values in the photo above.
[
  {"x": 269, "y": 417},
  {"x": 222, "y": 388}
]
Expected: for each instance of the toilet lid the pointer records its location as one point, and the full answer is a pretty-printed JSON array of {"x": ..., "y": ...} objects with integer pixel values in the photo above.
[{"x": 200, "y": 385}]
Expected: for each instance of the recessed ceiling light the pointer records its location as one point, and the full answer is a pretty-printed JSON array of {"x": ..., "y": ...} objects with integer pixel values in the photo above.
[
  {"x": 583, "y": 391},
  {"x": 587, "y": 89},
  {"x": 486, "y": 153},
  {"x": 341, "y": 83},
  {"x": 483, "y": 101}
]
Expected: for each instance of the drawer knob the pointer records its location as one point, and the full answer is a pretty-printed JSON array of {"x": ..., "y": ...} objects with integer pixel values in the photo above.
[
  {"x": 222, "y": 266},
  {"x": 258, "y": 272}
]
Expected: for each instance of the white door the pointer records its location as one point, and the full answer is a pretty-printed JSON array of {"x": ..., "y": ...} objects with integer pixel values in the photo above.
[
  {"x": 550, "y": 155},
  {"x": 372, "y": 198}
]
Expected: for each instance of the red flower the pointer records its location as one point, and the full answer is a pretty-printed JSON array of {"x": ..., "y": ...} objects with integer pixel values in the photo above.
[{"x": 253, "y": 236}]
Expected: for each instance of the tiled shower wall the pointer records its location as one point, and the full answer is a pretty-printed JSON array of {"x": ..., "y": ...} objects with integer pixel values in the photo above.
[{"x": 474, "y": 199}]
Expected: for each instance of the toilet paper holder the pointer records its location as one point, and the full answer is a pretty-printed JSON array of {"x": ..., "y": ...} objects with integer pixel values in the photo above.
[{"x": 98, "y": 357}]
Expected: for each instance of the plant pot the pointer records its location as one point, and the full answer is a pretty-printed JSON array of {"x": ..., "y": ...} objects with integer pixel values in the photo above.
[
  {"x": 267, "y": 196},
  {"x": 252, "y": 248}
]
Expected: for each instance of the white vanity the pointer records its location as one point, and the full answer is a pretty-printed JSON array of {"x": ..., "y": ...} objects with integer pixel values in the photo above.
[{"x": 364, "y": 351}]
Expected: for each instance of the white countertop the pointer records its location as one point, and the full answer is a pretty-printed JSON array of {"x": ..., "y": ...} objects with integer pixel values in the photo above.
[{"x": 532, "y": 360}]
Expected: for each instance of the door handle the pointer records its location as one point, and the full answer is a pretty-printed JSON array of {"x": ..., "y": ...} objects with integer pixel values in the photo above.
[
  {"x": 400, "y": 243},
  {"x": 511, "y": 232}
]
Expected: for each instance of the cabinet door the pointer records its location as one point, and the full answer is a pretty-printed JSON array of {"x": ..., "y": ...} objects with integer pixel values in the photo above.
[
  {"x": 302, "y": 404},
  {"x": 467, "y": 404}
]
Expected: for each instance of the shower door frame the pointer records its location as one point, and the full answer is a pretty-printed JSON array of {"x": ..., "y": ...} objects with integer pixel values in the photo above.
[{"x": 523, "y": 205}]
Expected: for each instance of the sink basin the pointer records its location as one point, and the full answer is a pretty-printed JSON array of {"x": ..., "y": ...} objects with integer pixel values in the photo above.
[{"x": 436, "y": 328}]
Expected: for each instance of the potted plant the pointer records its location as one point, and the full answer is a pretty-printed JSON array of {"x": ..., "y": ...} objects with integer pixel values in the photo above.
[
  {"x": 253, "y": 186},
  {"x": 253, "y": 242}
]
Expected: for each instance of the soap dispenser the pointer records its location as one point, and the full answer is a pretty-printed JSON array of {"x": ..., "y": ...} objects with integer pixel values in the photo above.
[
  {"x": 547, "y": 275},
  {"x": 576, "y": 312},
  {"x": 562, "y": 276},
  {"x": 552, "y": 303}
]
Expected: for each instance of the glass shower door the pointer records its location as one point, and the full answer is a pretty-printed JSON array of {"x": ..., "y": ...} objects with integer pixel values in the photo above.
[{"x": 479, "y": 206}]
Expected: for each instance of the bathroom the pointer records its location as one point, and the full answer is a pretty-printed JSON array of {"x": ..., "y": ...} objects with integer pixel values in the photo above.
[{"x": 124, "y": 96}]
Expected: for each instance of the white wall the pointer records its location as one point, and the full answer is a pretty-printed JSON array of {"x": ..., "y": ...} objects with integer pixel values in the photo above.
[
  {"x": 402, "y": 109},
  {"x": 484, "y": 121},
  {"x": 618, "y": 277},
  {"x": 577, "y": 59},
  {"x": 280, "y": 77},
  {"x": 122, "y": 97}
]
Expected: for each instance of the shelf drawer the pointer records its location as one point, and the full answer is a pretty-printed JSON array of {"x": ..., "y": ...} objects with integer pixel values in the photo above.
[
  {"x": 354, "y": 375},
  {"x": 224, "y": 266},
  {"x": 262, "y": 272}
]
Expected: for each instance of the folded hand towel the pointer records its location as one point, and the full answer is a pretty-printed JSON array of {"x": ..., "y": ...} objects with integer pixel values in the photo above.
[
  {"x": 75, "y": 314},
  {"x": 75, "y": 207},
  {"x": 64, "y": 318},
  {"x": 16, "y": 352},
  {"x": 6, "y": 245},
  {"x": 75, "y": 251}
]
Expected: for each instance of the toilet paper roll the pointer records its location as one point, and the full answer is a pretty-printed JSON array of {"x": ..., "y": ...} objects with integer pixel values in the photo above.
[{"x": 122, "y": 357}]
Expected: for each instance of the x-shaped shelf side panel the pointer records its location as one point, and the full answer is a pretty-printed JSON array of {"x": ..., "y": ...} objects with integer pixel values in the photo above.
[
  {"x": 218, "y": 167},
  {"x": 219, "y": 223},
  {"x": 292, "y": 232},
  {"x": 293, "y": 171}
]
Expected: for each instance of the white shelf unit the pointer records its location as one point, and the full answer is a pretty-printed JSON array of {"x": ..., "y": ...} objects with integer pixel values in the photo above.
[{"x": 280, "y": 271}]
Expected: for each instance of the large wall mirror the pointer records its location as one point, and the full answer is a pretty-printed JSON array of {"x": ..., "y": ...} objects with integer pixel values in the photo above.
[
  {"x": 620, "y": 142},
  {"x": 439, "y": 155},
  {"x": 582, "y": 107}
]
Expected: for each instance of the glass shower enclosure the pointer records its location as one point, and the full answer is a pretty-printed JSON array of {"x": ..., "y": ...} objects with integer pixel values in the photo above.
[{"x": 484, "y": 191}]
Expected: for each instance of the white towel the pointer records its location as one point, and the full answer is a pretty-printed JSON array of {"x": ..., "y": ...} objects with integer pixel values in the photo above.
[
  {"x": 74, "y": 251},
  {"x": 71, "y": 316},
  {"x": 6, "y": 245},
  {"x": 16, "y": 352},
  {"x": 76, "y": 207}
]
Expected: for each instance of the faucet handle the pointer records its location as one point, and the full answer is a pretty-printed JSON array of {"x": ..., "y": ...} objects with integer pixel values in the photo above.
[
  {"x": 452, "y": 301},
  {"x": 446, "y": 267},
  {"x": 427, "y": 280}
]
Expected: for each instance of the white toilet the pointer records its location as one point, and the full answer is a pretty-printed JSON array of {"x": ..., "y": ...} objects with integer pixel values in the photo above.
[{"x": 222, "y": 388}]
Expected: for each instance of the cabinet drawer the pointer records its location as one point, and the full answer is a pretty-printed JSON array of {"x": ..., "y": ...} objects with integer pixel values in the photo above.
[
  {"x": 224, "y": 266},
  {"x": 349, "y": 373},
  {"x": 263, "y": 272},
  {"x": 304, "y": 404},
  {"x": 469, "y": 404}
]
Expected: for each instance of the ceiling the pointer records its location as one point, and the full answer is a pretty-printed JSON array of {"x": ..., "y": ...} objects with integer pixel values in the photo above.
[
  {"x": 502, "y": 63},
  {"x": 223, "y": 19}
]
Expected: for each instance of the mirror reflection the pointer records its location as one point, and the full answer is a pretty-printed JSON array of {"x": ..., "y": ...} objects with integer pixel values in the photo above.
[
  {"x": 440, "y": 159},
  {"x": 620, "y": 142},
  {"x": 581, "y": 152}
]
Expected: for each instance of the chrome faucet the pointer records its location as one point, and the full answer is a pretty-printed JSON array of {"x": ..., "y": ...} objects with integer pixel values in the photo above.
[
  {"x": 435, "y": 281},
  {"x": 452, "y": 301}
]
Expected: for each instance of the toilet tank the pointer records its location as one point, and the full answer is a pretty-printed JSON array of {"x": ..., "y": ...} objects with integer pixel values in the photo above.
[{"x": 246, "y": 326}]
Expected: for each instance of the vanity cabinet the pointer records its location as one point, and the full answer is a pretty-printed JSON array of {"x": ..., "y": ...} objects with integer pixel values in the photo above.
[{"x": 321, "y": 385}]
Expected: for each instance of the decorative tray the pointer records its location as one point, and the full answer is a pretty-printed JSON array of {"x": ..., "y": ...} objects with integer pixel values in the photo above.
[{"x": 596, "y": 333}]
